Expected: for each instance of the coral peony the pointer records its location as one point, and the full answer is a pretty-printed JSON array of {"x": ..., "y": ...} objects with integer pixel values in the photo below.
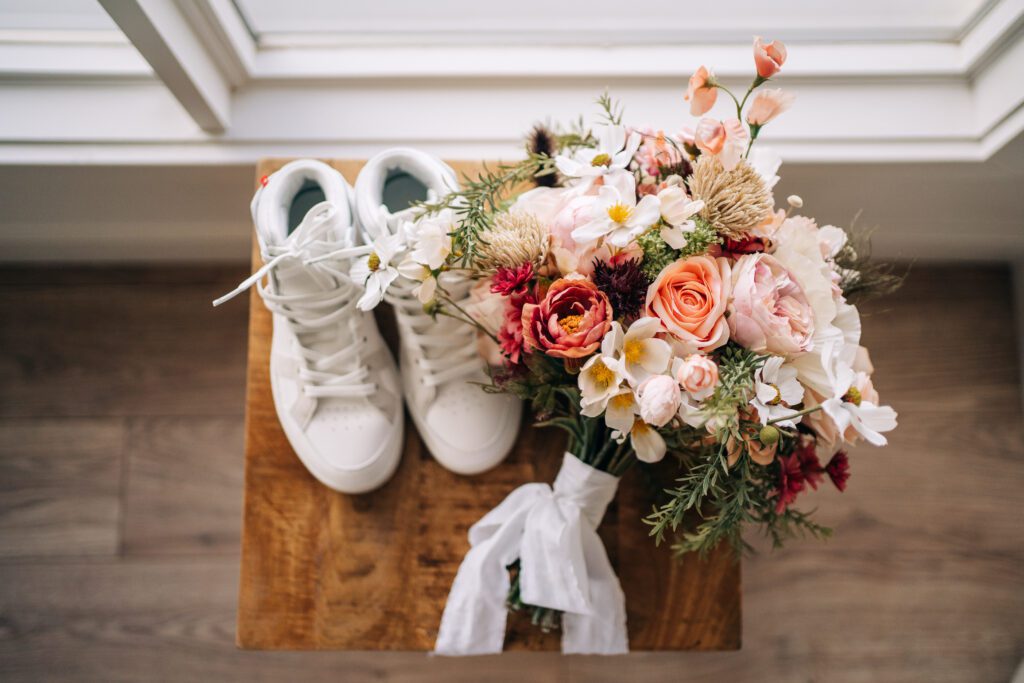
[{"x": 570, "y": 321}]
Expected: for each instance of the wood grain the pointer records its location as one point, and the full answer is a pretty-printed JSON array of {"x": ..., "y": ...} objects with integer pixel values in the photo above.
[
  {"x": 924, "y": 579},
  {"x": 99, "y": 350},
  {"x": 321, "y": 570},
  {"x": 60, "y": 486},
  {"x": 183, "y": 486}
]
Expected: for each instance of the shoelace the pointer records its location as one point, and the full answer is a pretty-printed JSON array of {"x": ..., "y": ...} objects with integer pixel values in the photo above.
[
  {"x": 448, "y": 346},
  {"x": 341, "y": 371}
]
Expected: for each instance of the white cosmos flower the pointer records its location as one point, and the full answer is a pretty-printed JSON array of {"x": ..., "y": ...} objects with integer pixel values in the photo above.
[
  {"x": 418, "y": 272},
  {"x": 645, "y": 440},
  {"x": 848, "y": 408},
  {"x": 677, "y": 211},
  {"x": 375, "y": 272},
  {"x": 613, "y": 153},
  {"x": 617, "y": 217},
  {"x": 430, "y": 237},
  {"x": 621, "y": 410},
  {"x": 599, "y": 380},
  {"x": 776, "y": 390},
  {"x": 643, "y": 355}
]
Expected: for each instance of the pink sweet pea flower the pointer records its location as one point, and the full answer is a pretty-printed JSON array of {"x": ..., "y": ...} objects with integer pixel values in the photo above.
[
  {"x": 701, "y": 94},
  {"x": 768, "y": 57},
  {"x": 767, "y": 105},
  {"x": 725, "y": 139}
]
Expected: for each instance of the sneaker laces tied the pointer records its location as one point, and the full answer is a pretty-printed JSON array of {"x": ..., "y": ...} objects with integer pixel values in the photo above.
[
  {"x": 448, "y": 346},
  {"x": 314, "y": 316}
]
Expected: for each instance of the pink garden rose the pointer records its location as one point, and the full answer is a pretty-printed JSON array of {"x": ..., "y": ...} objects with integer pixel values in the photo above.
[
  {"x": 768, "y": 312},
  {"x": 570, "y": 321},
  {"x": 658, "y": 398},
  {"x": 689, "y": 297},
  {"x": 698, "y": 375}
]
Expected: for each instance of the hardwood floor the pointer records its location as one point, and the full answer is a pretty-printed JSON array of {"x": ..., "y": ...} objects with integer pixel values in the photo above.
[{"x": 121, "y": 396}]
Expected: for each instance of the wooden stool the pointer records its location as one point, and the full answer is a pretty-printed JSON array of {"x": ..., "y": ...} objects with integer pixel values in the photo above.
[{"x": 326, "y": 571}]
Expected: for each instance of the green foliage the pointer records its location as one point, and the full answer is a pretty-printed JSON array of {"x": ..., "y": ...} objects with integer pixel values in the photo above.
[
  {"x": 482, "y": 197},
  {"x": 657, "y": 254}
]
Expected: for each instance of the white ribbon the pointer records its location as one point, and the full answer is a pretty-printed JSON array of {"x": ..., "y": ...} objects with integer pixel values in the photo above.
[{"x": 563, "y": 566}]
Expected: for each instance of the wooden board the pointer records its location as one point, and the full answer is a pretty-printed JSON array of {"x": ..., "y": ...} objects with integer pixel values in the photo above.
[{"x": 322, "y": 570}]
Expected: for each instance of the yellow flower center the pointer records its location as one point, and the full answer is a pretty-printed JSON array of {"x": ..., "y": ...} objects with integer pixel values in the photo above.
[
  {"x": 601, "y": 374},
  {"x": 570, "y": 323},
  {"x": 640, "y": 427},
  {"x": 853, "y": 396},
  {"x": 619, "y": 212},
  {"x": 778, "y": 396},
  {"x": 373, "y": 261},
  {"x": 633, "y": 350},
  {"x": 622, "y": 401},
  {"x": 601, "y": 160}
]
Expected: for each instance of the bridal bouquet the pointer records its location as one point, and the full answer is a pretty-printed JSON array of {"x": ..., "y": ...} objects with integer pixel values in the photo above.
[{"x": 645, "y": 294}]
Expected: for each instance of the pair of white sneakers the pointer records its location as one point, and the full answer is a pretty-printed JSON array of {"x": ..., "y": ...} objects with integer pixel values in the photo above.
[{"x": 336, "y": 388}]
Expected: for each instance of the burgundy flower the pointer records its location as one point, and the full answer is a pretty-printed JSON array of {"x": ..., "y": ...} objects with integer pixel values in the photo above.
[
  {"x": 838, "y": 469},
  {"x": 507, "y": 281},
  {"x": 790, "y": 483},
  {"x": 736, "y": 248},
  {"x": 624, "y": 284},
  {"x": 810, "y": 466}
]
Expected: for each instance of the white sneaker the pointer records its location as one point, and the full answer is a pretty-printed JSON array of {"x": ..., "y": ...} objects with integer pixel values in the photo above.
[
  {"x": 467, "y": 430},
  {"x": 334, "y": 381}
]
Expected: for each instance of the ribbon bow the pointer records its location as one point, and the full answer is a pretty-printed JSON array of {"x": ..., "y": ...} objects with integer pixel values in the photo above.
[{"x": 563, "y": 566}]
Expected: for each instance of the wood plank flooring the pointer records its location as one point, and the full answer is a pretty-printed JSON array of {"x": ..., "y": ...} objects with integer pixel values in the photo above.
[{"x": 121, "y": 395}]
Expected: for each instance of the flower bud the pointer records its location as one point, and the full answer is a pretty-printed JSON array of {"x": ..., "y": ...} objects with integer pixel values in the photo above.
[
  {"x": 795, "y": 201},
  {"x": 769, "y": 435}
]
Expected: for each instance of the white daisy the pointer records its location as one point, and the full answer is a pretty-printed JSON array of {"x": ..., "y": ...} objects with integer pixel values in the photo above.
[
  {"x": 647, "y": 443},
  {"x": 642, "y": 353},
  {"x": 617, "y": 217},
  {"x": 677, "y": 212},
  {"x": 375, "y": 272},
  {"x": 613, "y": 153},
  {"x": 848, "y": 408},
  {"x": 776, "y": 390},
  {"x": 418, "y": 272},
  {"x": 599, "y": 380}
]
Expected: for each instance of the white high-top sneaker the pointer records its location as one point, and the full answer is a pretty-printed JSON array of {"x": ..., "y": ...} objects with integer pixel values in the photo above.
[
  {"x": 467, "y": 430},
  {"x": 334, "y": 381}
]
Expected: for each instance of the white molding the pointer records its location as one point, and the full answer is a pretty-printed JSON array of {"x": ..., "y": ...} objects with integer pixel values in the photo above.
[
  {"x": 163, "y": 35},
  {"x": 916, "y": 99}
]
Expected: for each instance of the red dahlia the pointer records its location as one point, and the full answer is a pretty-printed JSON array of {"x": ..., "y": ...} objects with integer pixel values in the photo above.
[
  {"x": 838, "y": 469},
  {"x": 507, "y": 281}
]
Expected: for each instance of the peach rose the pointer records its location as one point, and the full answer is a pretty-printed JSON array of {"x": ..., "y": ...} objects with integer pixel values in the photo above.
[
  {"x": 570, "y": 321},
  {"x": 700, "y": 93},
  {"x": 689, "y": 297},
  {"x": 767, "y": 105},
  {"x": 769, "y": 312},
  {"x": 768, "y": 57},
  {"x": 698, "y": 375}
]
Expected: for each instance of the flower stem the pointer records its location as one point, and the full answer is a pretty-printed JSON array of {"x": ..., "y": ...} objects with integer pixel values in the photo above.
[{"x": 805, "y": 411}]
